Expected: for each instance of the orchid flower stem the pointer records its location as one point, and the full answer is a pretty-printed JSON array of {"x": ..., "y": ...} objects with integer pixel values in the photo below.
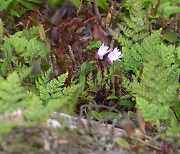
[
  {"x": 112, "y": 44},
  {"x": 117, "y": 87},
  {"x": 111, "y": 87},
  {"x": 102, "y": 66},
  {"x": 118, "y": 82}
]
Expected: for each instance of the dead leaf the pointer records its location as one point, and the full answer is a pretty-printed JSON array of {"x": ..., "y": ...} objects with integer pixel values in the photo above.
[
  {"x": 137, "y": 148},
  {"x": 148, "y": 124},
  {"x": 140, "y": 120},
  {"x": 61, "y": 12},
  {"x": 127, "y": 125},
  {"x": 139, "y": 133},
  {"x": 108, "y": 19},
  {"x": 99, "y": 34}
]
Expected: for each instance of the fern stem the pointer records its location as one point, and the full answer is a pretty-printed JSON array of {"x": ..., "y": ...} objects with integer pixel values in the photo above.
[{"x": 140, "y": 73}]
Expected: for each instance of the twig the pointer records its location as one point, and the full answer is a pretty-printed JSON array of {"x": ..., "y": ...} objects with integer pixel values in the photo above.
[
  {"x": 106, "y": 107},
  {"x": 146, "y": 143},
  {"x": 96, "y": 10}
]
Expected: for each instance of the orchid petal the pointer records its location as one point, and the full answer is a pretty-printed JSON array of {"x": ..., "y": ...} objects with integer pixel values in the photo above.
[
  {"x": 102, "y": 51},
  {"x": 114, "y": 55}
]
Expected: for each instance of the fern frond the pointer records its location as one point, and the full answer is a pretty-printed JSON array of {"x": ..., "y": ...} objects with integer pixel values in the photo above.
[
  {"x": 4, "y": 4},
  {"x": 133, "y": 28},
  {"x": 53, "y": 96},
  {"x": 151, "y": 111},
  {"x": 25, "y": 44},
  {"x": 36, "y": 111},
  {"x": 91, "y": 83},
  {"x": 159, "y": 81},
  {"x": 22, "y": 70},
  {"x": 48, "y": 90},
  {"x": 28, "y": 33},
  {"x": 70, "y": 91},
  {"x": 123, "y": 41},
  {"x": 173, "y": 130},
  {"x": 178, "y": 52},
  {"x": 11, "y": 95},
  {"x": 43, "y": 79},
  {"x": 27, "y": 48},
  {"x": 10, "y": 89},
  {"x": 6, "y": 126},
  {"x": 133, "y": 57},
  {"x": 167, "y": 8}
]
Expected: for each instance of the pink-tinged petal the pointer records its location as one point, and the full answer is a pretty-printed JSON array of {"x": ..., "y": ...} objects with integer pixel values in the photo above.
[
  {"x": 114, "y": 55},
  {"x": 102, "y": 51}
]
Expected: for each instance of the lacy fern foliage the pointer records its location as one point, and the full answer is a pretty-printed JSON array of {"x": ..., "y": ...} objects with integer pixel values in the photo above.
[
  {"x": 54, "y": 91},
  {"x": 173, "y": 131},
  {"x": 152, "y": 111},
  {"x": 35, "y": 105},
  {"x": 157, "y": 89},
  {"x": 49, "y": 89},
  {"x": 10, "y": 92},
  {"x": 23, "y": 44},
  {"x": 133, "y": 28},
  {"x": 22, "y": 70},
  {"x": 21, "y": 51},
  {"x": 134, "y": 56}
]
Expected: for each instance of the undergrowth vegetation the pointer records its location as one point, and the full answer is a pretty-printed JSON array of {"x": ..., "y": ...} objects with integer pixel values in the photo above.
[
  {"x": 146, "y": 77},
  {"x": 22, "y": 89}
]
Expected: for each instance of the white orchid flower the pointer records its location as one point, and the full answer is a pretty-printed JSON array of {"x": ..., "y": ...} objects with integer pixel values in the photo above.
[
  {"x": 102, "y": 51},
  {"x": 114, "y": 55}
]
